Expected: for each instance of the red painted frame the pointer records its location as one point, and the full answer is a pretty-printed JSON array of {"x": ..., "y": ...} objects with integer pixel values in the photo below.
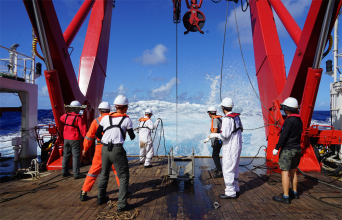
[
  {"x": 62, "y": 84},
  {"x": 302, "y": 81}
]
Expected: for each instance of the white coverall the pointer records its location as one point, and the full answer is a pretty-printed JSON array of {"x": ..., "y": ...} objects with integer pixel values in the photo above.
[
  {"x": 145, "y": 141},
  {"x": 231, "y": 150}
]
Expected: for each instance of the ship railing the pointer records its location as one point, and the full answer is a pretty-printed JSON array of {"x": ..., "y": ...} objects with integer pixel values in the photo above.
[{"x": 18, "y": 67}]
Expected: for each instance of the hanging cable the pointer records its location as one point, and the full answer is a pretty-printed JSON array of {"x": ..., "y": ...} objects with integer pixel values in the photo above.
[
  {"x": 329, "y": 48},
  {"x": 224, "y": 42},
  {"x": 244, "y": 10},
  {"x": 176, "y": 84},
  {"x": 244, "y": 63},
  {"x": 216, "y": 1},
  {"x": 34, "y": 45}
]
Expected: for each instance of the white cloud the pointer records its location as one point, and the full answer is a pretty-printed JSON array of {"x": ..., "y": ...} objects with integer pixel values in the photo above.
[
  {"x": 153, "y": 57},
  {"x": 120, "y": 91},
  {"x": 43, "y": 91},
  {"x": 163, "y": 91}
]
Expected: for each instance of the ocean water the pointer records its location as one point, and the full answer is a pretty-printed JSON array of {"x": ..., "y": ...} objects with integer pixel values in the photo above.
[{"x": 185, "y": 127}]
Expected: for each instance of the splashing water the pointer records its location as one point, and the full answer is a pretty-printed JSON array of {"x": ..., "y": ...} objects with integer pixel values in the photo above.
[{"x": 193, "y": 120}]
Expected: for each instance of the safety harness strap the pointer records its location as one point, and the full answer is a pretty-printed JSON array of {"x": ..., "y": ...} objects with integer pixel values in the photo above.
[
  {"x": 73, "y": 122},
  {"x": 233, "y": 115},
  {"x": 116, "y": 126}
]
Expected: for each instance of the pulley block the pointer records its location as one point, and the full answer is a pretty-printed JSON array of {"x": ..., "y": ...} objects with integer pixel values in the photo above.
[{"x": 193, "y": 21}]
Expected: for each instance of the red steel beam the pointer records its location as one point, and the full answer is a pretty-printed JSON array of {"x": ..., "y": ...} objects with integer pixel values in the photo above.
[
  {"x": 269, "y": 59},
  {"x": 76, "y": 23},
  {"x": 285, "y": 17},
  {"x": 306, "y": 49}
]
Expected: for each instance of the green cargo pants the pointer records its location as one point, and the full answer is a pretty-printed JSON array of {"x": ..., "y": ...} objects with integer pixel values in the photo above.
[{"x": 118, "y": 158}]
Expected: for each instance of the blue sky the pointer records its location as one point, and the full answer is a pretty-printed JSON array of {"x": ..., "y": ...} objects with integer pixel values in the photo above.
[{"x": 142, "y": 53}]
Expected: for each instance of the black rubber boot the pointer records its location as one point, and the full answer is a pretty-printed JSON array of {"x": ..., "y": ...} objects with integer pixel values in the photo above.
[
  {"x": 281, "y": 198},
  {"x": 126, "y": 208},
  {"x": 218, "y": 175},
  {"x": 224, "y": 196},
  {"x": 102, "y": 200},
  {"x": 83, "y": 196},
  {"x": 80, "y": 176}
]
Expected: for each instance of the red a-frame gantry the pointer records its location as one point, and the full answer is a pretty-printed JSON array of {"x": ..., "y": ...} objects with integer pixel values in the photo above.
[
  {"x": 302, "y": 81},
  {"x": 61, "y": 82}
]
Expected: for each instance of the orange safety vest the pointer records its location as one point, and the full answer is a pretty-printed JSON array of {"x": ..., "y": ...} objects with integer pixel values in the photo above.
[
  {"x": 212, "y": 121},
  {"x": 144, "y": 119},
  {"x": 89, "y": 138}
]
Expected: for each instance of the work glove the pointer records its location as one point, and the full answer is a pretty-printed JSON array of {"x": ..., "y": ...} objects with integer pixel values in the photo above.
[
  {"x": 215, "y": 135},
  {"x": 275, "y": 152},
  {"x": 206, "y": 140}
]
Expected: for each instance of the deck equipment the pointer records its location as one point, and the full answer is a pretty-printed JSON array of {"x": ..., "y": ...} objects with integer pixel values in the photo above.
[{"x": 176, "y": 172}]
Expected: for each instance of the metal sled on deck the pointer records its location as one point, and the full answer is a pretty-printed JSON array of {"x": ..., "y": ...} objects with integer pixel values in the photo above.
[{"x": 176, "y": 172}]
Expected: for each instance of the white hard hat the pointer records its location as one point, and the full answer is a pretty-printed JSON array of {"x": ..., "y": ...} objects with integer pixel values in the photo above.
[
  {"x": 212, "y": 109},
  {"x": 290, "y": 102},
  {"x": 75, "y": 103},
  {"x": 104, "y": 106},
  {"x": 121, "y": 100},
  {"x": 148, "y": 111},
  {"x": 227, "y": 102}
]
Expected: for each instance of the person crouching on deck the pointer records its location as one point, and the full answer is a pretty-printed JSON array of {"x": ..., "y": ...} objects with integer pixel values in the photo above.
[
  {"x": 96, "y": 166},
  {"x": 74, "y": 127},
  {"x": 231, "y": 149},
  {"x": 216, "y": 143},
  {"x": 290, "y": 153},
  {"x": 112, "y": 132},
  {"x": 145, "y": 140}
]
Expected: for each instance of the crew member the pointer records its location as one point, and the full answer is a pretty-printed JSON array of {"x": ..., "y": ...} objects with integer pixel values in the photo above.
[
  {"x": 114, "y": 127},
  {"x": 74, "y": 127},
  {"x": 216, "y": 143},
  {"x": 290, "y": 154},
  {"x": 145, "y": 140},
  {"x": 96, "y": 166},
  {"x": 231, "y": 148}
]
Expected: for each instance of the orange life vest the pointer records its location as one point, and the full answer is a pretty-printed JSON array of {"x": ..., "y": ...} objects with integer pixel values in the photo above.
[
  {"x": 144, "y": 119},
  {"x": 114, "y": 114},
  {"x": 212, "y": 121}
]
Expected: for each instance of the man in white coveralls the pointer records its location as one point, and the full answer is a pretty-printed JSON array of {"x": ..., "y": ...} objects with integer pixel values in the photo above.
[
  {"x": 145, "y": 140},
  {"x": 231, "y": 148}
]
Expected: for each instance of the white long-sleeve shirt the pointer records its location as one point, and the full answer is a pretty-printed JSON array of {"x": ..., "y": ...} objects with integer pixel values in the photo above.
[
  {"x": 231, "y": 139},
  {"x": 145, "y": 128}
]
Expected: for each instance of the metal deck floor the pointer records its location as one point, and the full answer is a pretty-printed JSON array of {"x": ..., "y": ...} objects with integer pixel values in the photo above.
[{"x": 158, "y": 199}]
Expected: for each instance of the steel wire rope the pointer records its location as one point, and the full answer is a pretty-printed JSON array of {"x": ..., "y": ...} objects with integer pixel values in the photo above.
[
  {"x": 224, "y": 42},
  {"x": 244, "y": 63},
  {"x": 323, "y": 182},
  {"x": 176, "y": 83},
  {"x": 244, "y": 10}
]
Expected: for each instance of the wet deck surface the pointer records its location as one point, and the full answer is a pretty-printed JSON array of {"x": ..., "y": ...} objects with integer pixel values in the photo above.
[{"x": 158, "y": 199}]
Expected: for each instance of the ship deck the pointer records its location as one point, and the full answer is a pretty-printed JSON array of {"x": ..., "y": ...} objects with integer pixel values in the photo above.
[{"x": 157, "y": 198}]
